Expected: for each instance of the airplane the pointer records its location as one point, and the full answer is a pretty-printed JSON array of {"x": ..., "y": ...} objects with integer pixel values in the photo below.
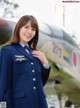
[{"x": 62, "y": 53}]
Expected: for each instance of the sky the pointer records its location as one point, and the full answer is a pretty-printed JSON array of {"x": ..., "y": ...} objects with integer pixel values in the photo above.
[{"x": 52, "y": 11}]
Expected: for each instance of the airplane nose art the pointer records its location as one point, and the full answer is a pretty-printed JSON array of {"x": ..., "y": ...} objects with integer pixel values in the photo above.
[{"x": 5, "y": 32}]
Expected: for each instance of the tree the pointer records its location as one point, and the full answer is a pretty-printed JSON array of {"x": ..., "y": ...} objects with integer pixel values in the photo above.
[{"x": 8, "y": 8}]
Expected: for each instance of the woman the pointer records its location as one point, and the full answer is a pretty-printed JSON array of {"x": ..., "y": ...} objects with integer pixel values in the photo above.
[{"x": 24, "y": 70}]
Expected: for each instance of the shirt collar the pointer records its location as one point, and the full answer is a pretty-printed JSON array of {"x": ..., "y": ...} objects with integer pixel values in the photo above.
[{"x": 23, "y": 44}]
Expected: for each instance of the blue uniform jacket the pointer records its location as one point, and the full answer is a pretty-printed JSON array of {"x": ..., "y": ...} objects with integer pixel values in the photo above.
[{"x": 22, "y": 78}]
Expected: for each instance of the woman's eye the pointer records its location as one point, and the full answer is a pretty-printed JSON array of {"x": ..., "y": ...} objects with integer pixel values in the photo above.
[
  {"x": 33, "y": 29},
  {"x": 26, "y": 27}
]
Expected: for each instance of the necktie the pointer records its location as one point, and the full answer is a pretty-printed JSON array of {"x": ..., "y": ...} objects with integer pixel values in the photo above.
[{"x": 27, "y": 48}]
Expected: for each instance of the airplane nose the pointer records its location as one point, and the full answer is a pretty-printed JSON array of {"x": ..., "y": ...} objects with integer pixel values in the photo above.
[{"x": 5, "y": 31}]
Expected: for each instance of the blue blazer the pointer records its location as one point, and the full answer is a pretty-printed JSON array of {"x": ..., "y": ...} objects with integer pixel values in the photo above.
[{"x": 22, "y": 78}]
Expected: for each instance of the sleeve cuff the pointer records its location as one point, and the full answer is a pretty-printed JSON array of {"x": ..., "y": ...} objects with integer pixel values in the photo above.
[
  {"x": 46, "y": 66},
  {"x": 3, "y": 105}
]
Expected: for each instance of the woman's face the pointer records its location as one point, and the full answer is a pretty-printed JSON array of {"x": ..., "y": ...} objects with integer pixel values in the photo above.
[{"x": 26, "y": 33}]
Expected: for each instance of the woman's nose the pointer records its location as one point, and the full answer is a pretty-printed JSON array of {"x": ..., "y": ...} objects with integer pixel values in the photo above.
[{"x": 29, "y": 30}]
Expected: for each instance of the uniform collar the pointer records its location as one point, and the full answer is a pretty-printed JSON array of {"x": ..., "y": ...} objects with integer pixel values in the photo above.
[{"x": 20, "y": 48}]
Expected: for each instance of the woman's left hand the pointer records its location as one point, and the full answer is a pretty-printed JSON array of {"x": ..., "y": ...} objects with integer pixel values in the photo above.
[{"x": 40, "y": 56}]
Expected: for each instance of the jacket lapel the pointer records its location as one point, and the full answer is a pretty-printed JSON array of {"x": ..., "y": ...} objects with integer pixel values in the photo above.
[{"x": 23, "y": 51}]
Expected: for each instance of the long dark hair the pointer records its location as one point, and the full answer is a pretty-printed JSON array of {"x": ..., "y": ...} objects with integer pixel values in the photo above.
[{"x": 23, "y": 21}]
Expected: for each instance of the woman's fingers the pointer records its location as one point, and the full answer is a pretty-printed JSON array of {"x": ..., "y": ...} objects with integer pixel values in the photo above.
[{"x": 40, "y": 56}]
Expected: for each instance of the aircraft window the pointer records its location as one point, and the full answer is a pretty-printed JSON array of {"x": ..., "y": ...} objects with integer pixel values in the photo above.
[
  {"x": 51, "y": 30},
  {"x": 45, "y": 29},
  {"x": 68, "y": 38},
  {"x": 54, "y": 31},
  {"x": 57, "y": 32}
]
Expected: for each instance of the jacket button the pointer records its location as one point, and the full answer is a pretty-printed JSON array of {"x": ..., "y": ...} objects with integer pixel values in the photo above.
[
  {"x": 33, "y": 71},
  {"x": 32, "y": 63},
  {"x": 34, "y": 79},
  {"x": 34, "y": 87}
]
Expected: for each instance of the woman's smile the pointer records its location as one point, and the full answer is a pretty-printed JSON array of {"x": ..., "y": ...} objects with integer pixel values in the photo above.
[{"x": 27, "y": 32}]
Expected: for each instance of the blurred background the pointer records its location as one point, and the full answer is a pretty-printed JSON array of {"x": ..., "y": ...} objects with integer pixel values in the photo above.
[{"x": 63, "y": 14}]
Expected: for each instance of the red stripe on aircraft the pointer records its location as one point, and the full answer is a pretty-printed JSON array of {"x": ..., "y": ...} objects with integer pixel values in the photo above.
[{"x": 74, "y": 58}]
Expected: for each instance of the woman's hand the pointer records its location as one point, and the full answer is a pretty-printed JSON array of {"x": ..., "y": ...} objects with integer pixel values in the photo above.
[{"x": 40, "y": 56}]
